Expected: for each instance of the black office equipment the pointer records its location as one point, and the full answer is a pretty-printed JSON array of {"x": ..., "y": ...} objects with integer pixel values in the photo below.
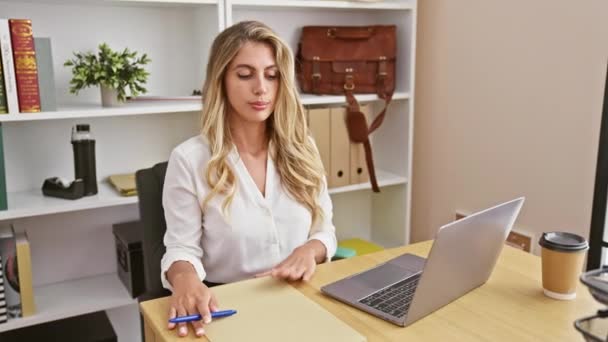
[
  {"x": 598, "y": 213},
  {"x": 149, "y": 184},
  {"x": 129, "y": 256},
  {"x": 595, "y": 328},
  {"x": 92, "y": 327},
  {"x": 53, "y": 187}
]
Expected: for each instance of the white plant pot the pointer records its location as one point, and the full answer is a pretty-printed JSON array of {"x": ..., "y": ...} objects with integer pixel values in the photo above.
[{"x": 109, "y": 97}]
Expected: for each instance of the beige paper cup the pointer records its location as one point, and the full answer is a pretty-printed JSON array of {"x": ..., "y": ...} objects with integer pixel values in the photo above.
[{"x": 563, "y": 255}]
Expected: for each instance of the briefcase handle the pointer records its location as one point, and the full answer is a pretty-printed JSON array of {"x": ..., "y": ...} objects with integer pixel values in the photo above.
[{"x": 350, "y": 33}]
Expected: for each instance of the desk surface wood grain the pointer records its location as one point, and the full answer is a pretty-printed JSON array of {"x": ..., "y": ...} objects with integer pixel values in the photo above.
[{"x": 509, "y": 307}]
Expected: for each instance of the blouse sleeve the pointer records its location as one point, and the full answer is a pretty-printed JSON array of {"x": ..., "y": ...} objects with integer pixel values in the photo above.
[
  {"x": 324, "y": 229},
  {"x": 183, "y": 217}
]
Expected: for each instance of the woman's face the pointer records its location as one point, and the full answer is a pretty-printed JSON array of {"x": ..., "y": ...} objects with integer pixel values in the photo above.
[{"x": 252, "y": 82}]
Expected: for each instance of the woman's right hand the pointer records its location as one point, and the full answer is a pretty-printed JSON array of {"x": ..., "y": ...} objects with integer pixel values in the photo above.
[{"x": 190, "y": 296}]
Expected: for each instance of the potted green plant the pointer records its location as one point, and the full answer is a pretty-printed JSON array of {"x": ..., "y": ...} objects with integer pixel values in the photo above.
[{"x": 114, "y": 72}]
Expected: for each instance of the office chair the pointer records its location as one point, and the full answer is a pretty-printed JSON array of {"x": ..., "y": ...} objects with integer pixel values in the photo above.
[{"x": 152, "y": 222}]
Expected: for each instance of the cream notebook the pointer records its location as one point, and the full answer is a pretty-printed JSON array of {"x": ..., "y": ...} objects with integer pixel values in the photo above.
[{"x": 271, "y": 310}]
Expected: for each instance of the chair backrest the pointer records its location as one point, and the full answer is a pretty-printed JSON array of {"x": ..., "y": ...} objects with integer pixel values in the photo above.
[{"x": 152, "y": 221}]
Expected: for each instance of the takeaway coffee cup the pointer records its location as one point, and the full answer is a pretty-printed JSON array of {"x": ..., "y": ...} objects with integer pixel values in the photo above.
[{"x": 562, "y": 257}]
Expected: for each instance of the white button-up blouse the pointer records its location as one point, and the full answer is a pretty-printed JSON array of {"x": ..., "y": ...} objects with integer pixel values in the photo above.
[{"x": 259, "y": 232}]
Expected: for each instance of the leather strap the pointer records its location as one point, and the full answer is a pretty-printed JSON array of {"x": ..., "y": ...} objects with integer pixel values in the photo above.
[
  {"x": 316, "y": 75},
  {"x": 370, "y": 165},
  {"x": 381, "y": 75},
  {"x": 359, "y": 132},
  {"x": 380, "y": 117},
  {"x": 353, "y": 106}
]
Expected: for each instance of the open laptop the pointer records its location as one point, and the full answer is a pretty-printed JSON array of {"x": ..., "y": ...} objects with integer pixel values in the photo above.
[{"x": 409, "y": 287}]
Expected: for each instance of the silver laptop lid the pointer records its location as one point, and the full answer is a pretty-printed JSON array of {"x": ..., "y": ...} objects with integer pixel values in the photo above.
[{"x": 462, "y": 258}]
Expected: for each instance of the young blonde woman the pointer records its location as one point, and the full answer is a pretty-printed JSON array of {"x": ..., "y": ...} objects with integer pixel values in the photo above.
[{"x": 247, "y": 197}]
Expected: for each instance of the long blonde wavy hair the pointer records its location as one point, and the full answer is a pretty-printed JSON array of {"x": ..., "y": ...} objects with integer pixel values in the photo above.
[{"x": 297, "y": 160}]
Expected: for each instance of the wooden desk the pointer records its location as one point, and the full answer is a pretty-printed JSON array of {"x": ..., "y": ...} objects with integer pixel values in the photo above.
[{"x": 509, "y": 307}]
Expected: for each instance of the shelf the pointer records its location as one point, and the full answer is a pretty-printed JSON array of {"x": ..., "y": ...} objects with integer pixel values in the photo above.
[
  {"x": 95, "y": 110},
  {"x": 73, "y": 298},
  {"x": 34, "y": 203},
  {"x": 309, "y": 99},
  {"x": 111, "y": 2},
  {"x": 384, "y": 179},
  {"x": 168, "y": 2},
  {"x": 381, "y": 5},
  {"x": 164, "y": 106}
]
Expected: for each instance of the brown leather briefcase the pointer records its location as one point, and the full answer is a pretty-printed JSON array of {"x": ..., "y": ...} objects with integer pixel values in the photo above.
[{"x": 350, "y": 60}]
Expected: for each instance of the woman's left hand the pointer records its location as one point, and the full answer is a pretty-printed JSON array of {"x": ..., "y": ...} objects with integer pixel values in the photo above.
[{"x": 300, "y": 264}]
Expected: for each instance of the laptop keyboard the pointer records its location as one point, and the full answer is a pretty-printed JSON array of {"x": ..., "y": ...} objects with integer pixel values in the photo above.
[{"x": 394, "y": 299}]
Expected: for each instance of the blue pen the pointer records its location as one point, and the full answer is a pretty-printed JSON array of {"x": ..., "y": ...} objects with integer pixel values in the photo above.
[{"x": 198, "y": 317}]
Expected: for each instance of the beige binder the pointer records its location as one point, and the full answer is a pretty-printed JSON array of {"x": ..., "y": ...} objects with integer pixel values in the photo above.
[
  {"x": 318, "y": 121},
  {"x": 358, "y": 167},
  {"x": 339, "y": 149}
]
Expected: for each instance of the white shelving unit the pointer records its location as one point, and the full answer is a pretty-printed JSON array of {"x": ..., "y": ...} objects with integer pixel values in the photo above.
[
  {"x": 73, "y": 298},
  {"x": 73, "y": 252},
  {"x": 360, "y": 213},
  {"x": 72, "y": 244}
]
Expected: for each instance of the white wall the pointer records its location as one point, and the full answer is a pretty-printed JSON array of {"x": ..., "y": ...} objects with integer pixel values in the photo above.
[{"x": 508, "y": 103}]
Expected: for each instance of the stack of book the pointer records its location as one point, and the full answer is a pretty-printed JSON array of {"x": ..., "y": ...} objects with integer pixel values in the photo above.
[
  {"x": 27, "y": 82},
  {"x": 16, "y": 285},
  {"x": 3, "y": 313}
]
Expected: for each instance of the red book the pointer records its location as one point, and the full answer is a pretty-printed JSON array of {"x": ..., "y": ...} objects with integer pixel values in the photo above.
[{"x": 26, "y": 70}]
